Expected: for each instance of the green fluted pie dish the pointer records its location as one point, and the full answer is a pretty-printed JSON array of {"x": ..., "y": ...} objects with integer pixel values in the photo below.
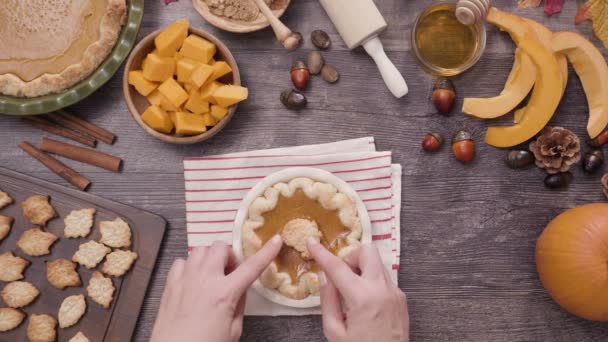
[{"x": 14, "y": 105}]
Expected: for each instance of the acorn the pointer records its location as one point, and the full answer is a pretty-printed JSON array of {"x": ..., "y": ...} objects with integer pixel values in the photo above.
[
  {"x": 558, "y": 180},
  {"x": 593, "y": 161},
  {"x": 519, "y": 159},
  {"x": 300, "y": 74},
  {"x": 293, "y": 99},
  {"x": 444, "y": 95},
  {"x": 463, "y": 147},
  {"x": 600, "y": 140},
  {"x": 432, "y": 142}
]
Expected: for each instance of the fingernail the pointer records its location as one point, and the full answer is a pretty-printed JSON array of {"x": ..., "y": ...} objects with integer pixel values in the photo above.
[
  {"x": 322, "y": 278},
  {"x": 276, "y": 239},
  {"x": 311, "y": 242}
]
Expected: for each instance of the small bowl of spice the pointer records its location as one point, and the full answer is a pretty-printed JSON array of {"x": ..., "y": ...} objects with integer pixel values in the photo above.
[
  {"x": 238, "y": 16},
  {"x": 181, "y": 84}
]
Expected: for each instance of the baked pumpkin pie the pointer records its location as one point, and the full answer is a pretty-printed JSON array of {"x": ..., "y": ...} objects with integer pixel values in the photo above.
[
  {"x": 48, "y": 46},
  {"x": 297, "y": 210}
]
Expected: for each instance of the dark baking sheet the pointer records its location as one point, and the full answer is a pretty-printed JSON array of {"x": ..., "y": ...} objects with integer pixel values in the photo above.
[{"x": 114, "y": 324}]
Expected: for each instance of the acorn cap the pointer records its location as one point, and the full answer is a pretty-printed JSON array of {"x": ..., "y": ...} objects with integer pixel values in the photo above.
[
  {"x": 461, "y": 136},
  {"x": 438, "y": 137},
  {"x": 298, "y": 65},
  {"x": 443, "y": 83},
  {"x": 598, "y": 153}
]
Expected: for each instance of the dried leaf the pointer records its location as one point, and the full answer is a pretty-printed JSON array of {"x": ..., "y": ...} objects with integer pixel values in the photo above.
[
  {"x": 522, "y": 4},
  {"x": 599, "y": 16},
  {"x": 553, "y": 6},
  {"x": 583, "y": 14}
]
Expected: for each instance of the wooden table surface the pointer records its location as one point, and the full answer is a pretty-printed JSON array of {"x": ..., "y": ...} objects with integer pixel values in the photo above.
[{"x": 468, "y": 232}]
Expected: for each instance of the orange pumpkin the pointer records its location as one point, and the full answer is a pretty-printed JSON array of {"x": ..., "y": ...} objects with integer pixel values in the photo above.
[{"x": 572, "y": 261}]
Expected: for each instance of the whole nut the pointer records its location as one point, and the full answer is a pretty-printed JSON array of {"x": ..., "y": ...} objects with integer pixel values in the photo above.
[
  {"x": 320, "y": 39},
  {"x": 315, "y": 62},
  {"x": 432, "y": 142},
  {"x": 519, "y": 159},
  {"x": 444, "y": 95},
  {"x": 463, "y": 147},
  {"x": 293, "y": 99},
  {"x": 558, "y": 180},
  {"x": 300, "y": 74},
  {"x": 593, "y": 161},
  {"x": 330, "y": 74}
]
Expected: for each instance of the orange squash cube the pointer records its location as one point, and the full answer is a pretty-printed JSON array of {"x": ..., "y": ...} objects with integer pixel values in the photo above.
[
  {"x": 198, "y": 49},
  {"x": 157, "y": 119},
  {"x": 171, "y": 38},
  {"x": 173, "y": 92}
]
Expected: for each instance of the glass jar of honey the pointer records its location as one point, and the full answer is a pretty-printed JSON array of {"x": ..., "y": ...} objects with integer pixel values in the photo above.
[{"x": 442, "y": 44}]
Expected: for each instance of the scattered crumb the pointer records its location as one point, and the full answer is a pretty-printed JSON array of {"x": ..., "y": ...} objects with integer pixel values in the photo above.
[
  {"x": 100, "y": 289},
  {"x": 10, "y": 319},
  {"x": 71, "y": 310},
  {"x": 36, "y": 242},
  {"x": 41, "y": 328},
  {"x": 79, "y": 223},
  {"x": 89, "y": 254},
  {"x": 11, "y": 267},
  {"x": 118, "y": 263},
  {"x": 19, "y": 293},
  {"x": 115, "y": 233},
  {"x": 62, "y": 273},
  {"x": 38, "y": 210}
]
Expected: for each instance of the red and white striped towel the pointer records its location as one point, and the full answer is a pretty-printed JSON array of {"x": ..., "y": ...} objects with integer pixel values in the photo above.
[{"x": 215, "y": 187}]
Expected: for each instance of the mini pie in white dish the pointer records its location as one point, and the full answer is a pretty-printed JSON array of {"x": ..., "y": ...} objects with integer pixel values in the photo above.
[{"x": 299, "y": 203}]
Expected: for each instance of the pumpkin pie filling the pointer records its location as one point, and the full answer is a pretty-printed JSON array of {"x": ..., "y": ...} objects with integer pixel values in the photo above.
[
  {"x": 30, "y": 49},
  {"x": 47, "y": 46},
  {"x": 299, "y": 206}
]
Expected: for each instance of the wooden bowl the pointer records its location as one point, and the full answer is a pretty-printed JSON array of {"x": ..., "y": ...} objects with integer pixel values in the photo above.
[
  {"x": 238, "y": 26},
  {"x": 137, "y": 103}
]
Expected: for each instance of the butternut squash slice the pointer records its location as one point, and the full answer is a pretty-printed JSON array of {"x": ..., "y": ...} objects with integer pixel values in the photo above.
[
  {"x": 518, "y": 86},
  {"x": 591, "y": 68},
  {"x": 545, "y": 35},
  {"x": 547, "y": 91}
]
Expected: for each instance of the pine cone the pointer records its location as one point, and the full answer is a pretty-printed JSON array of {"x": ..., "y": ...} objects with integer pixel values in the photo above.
[
  {"x": 605, "y": 184},
  {"x": 556, "y": 149}
]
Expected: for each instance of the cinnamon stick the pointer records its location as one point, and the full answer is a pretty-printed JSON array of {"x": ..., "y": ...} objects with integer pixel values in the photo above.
[
  {"x": 46, "y": 125},
  {"x": 56, "y": 166},
  {"x": 74, "y": 122},
  {"x": 81, "y": 154}
]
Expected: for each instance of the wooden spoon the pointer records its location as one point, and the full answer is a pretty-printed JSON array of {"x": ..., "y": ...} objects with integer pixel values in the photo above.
[{"x": 290, "y": 40}]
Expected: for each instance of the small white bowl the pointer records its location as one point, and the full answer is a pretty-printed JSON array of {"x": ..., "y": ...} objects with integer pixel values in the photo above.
[{"x": 285, "y": 176}]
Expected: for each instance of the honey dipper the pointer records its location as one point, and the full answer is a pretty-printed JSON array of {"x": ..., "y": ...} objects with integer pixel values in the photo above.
[
  {"x": 289, "y": 39},
  {"x": 469, "y": 12}
]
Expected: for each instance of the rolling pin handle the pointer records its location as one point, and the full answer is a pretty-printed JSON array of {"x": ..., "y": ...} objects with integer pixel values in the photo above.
[{"x": 392, "y": 77}]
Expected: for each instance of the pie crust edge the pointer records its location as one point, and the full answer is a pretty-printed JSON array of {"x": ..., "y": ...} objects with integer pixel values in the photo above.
[
  {"x": 330, "y": 198},
  {"x": 94, "y": 55}
]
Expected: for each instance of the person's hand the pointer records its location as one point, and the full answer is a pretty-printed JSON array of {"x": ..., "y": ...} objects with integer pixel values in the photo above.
[
  {"x": 204, "y": 297},
  {"x": 359, "y": 302}
]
